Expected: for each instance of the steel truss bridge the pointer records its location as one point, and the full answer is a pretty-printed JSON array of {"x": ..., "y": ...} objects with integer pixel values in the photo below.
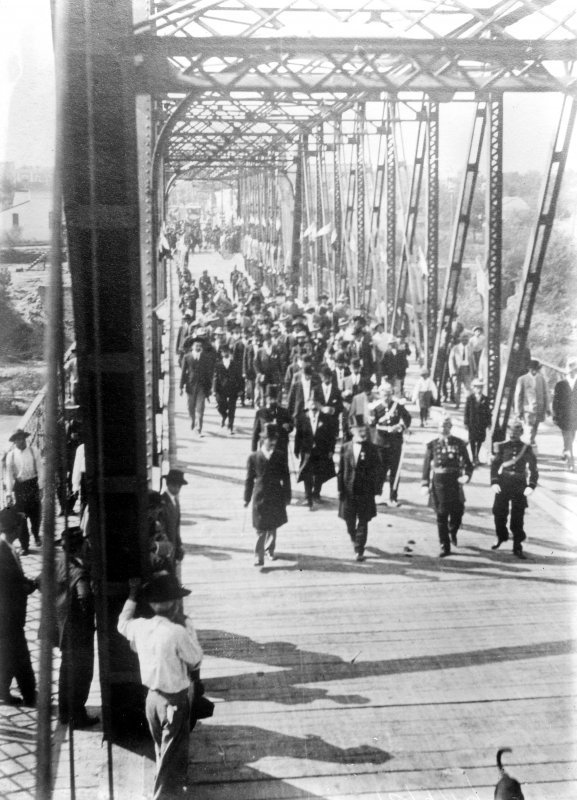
[{"x": 289, "y": 101}]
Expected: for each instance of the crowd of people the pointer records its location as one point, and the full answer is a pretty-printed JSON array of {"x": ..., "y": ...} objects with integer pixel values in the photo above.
[{"x": 327, "y": 386}]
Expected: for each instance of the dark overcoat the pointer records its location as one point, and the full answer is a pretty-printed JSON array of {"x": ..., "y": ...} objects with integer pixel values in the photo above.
[
  {"x": 358, "y": 483},
  {"x": 14, "y": 590},
  {"x": 268, "y": 484},
  {"x": 565, "y": 406},
  {"x": 477, "y": 417}
]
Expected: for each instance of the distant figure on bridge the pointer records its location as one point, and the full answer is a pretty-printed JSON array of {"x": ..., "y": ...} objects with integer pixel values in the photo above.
[
  {"x": 358, "y": 483},
  {"x": 274, "y": 413},
  {"x": 226, "y": 387},
  {"x": 532, "y": 401},
  {"x": 314, "y": 445},
  {"x": 460, "y": 368},
  {"x": 425, "y": 394},
  {"x": 196, "y": 378},
  {"x": 477, "y": 418},
  {"x": 268, "y": 485},
  {"x": 390, "y": 419},
  {"x": 446, "y": 468},
  {"x": 477, "y": 344},
  {"x": 514, "y": 476},
  {"x": 205, "y": 288},
  {"x": 565, "y": 410}
]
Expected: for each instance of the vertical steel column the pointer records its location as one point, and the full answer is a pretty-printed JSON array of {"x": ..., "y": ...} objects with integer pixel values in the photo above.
[
  {"x": 348, "y": 225},
  {"x": 494, "y": 244},
  {"x": 100, "y": 190},
  {"x": 459, "y": 240},
  {"x": 320, "y": 176},
  {"x": 305, "y": 187},
  {"x": 338, "y": 242},
  {"x": 361, "y": 260},
  {"x": 533, "y": 266},
  {"x": 373, "y": 254},
  {"x": 298, "y": 217},
  {"x": 390, "y": 282},
  {"x": 432, "y": 228},
  {"x": 410, "y": 221}
]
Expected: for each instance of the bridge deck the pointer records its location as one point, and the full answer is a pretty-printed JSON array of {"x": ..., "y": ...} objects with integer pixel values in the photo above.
[{"x": 395, "y": 678}]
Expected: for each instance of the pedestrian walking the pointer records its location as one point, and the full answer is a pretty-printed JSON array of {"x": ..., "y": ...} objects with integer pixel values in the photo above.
[
  {"x": 446, "y": 468},
  {"x": 226, "y": 387},
  {"x": 358, "y": 483},
  {"x": 170, "y": 656},
  {"x": 477, "y": 418},
  {"x": 565, "y": 410},
  {"x": 514, "y": 476},
  {"x": 196, "y": 378},
  {"x": 169, "y": 516},
  {"x": 268, "y": 486},
  {"x": 425, "y": 395},
  {"x": 314, "y": 445},
  {"x": 532, "y": 401}
]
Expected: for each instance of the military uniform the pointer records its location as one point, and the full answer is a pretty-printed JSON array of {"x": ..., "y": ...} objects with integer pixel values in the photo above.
[
  {"x": 389, "y": 421},
  {"x": 446, "y": 459},
  {"x": 513, "y": 469}
]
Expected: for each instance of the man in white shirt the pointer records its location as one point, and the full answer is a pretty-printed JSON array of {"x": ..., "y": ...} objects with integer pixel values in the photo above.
[
  {"x": 24, "y": 480},
  {"x": 169, "y": 653}
]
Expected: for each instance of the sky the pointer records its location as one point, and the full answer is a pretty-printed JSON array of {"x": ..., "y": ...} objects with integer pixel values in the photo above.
[{"x": 27, "y": 103}]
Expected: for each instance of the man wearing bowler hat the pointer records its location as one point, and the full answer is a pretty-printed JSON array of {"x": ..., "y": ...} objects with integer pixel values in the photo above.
[
  {"x": 24, "y": 479},
  {"x": 170, "y": 514},
  {"x": 169, "y": 654},
  {"x": 358, "y": 483}
]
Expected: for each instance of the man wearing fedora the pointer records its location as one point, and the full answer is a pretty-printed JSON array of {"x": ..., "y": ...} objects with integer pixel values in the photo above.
[
  {"x": 532, "y": 401},
  {"x": 477, "y": 418},
  {"x": 196, "y": 378},
  {"x": 14, "y": 590},
  {"x": 75, "y": 623},
  {"x": 24, "y": 478},
  {"x": 170, "y": 513},
  {"x": 169, "y": 655},
  {"x": 358, "y": 483}
]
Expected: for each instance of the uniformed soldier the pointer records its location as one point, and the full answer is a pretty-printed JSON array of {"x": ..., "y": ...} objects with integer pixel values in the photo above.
[
  {"x": 514, "y": 476},
  {"x": 446, "y": 468},
  {"x": 390, "y": 419}
]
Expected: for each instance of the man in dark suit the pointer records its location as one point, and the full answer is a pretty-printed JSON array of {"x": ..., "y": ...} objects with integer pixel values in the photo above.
[
  {"x": 184, "y": 333},
  {"x": 331, "y": 402},
  {"x": 358, "y": 483},
  {"x": 196, "y": 378},
  {"x": 170, "y": 514},
  {"x": 14, "y": 590},
  {"x": 273, "y": 412},
  {"x": 248, "y": 367},
  {"x": 226, "y": 386},
  {"x": 303, "y": 387},
  {"x": 314, "y": 445},
  {"x": 267, "y": 365},
  {"x": 565, "y": 410},
  {"x": 391, "y": 419}
]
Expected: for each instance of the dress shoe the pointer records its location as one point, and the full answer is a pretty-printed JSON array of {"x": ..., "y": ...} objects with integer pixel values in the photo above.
[
  {"x": 25, "y": 551},
  {"x": 258, "y": 563},
  {"x": 11, "y": 700},
  {"x": 497, "y": 544},
  {"x": 518, "y": 552},
  {"x": 446, "y": 551},
  {"x": 394, "y": 504},
  {"x": 271, "y": 556},
  {"x": 85, "y": 721},
  {"x": 359, "y": 557}
]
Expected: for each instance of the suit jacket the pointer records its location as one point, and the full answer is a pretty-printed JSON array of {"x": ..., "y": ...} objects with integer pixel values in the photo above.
[
  {"x": 532, "y": 395},
  {"x": 248, "y": 367},
  {"x": 477, "y": 417},
  {"x": 196, "y": 373},
  {"x": 358, "y": 483},
  {"x": 335, "y": 403},
  {"x": 565, "y": 406},
  {"x": 296, "y": 398},
  {"x": 14, "y": 590},
  {"x": 315, "y": 449},
  {"x": 226, "y": 381},
  {"x": 268, "y": 365},
  {"x": 170, "y": 518}
]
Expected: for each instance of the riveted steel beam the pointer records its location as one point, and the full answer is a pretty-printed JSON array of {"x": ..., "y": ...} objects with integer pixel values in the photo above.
[
  {"x": 494, "y": 245},
  {"x": 391, "y": 215},
  {"x": 361, "y": 244},
  {"x": 432, "y": 228}
]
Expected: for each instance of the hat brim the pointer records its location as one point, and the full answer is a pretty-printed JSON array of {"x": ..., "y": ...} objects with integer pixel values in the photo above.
[{"x": 18, "y": 435}]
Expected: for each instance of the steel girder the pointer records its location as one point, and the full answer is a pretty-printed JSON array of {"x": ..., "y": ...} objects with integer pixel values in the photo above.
[
  {"x": 391, "y": 216},
  {"x": 100, "y": 192},
  {"x": 361, "y": 233},
  {"x": 337, "y": 202},
  {"x": 411, "y": 217},
  {"x": 533, "y": 267},
  {"x": 458, "y": 242},
  {"x": 494, "y": 245},
  {"x": 297, "y": 218},
  {"x": 430, "y": 323}
]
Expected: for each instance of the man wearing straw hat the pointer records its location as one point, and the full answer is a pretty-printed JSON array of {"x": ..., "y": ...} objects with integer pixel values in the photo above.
[
  {"x": 169, "y": 654},
  {"x": 24, "y": 476}
]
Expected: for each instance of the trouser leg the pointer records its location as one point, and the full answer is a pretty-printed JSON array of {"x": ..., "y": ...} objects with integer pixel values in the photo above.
[
  {"x": 308, "y": 484},
  {"x": 23, "y": 671},
  {"x": 568, "y": 440},
  {"x": 394, "y": 463},
  {"x": 361, "y": 535},
  {"x": 270, "y": 542},
  {"x": 168, "y": 720},
  {"x": 260, "y": 544},
  {"x": 191, "y": 398},
  {"x": 454, "y": 522},
  {"x": 317, "y": 486},
  {"x": 518, "y": 505},
  {"x": 351, "y": 523},
  {"x": 6, "y": 665},
  {"x": 231, "y": 410},
  {"x": 443, "y": 529},
  {"x": 500, "y": 514},
  {"x": 200, "y": 398}
]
